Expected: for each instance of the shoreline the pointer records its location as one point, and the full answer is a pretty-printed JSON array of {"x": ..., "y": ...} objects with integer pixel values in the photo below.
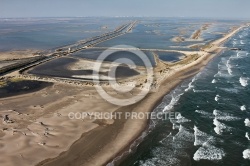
[
  {"x": 140, "y": 137},
  {"x": 101, "y": 142},
  {"x": 122, "y": 156},
  {"x": 119, "y": 144}
]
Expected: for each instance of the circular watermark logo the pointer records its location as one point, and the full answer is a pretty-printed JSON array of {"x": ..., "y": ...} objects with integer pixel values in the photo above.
[{"x": 142, "y": 82}]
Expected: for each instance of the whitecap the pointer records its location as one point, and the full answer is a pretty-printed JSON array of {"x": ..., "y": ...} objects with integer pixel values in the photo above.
[
  {"x": 184, "y": 135},
  {"x": 230, "y": 90},
  {"x": 219, "y": 115},
  {"x": 246, "y": 154},
  {"x": 175, "y": 126},
  {"x": 243, "y": 108},
  {"x": 217, "y": 97},
  {"x": 209, "y": 152},
  {"x": 203, "y": 112},
  {"x": 247, "y": 136},
  {"x": 214, "y": 81},
  {"x": 201, "y": 137},
  {"x": 162, "y": 156},
  {"x": 247, "y": 122},
  {"x": 242, "y": 54},
  {"x": 238, "y": 54},
  {"x": 244, "y": 81},
  {"x": 229, "y": 70},
  {"x": 190, "y": 85},
  {"x": 234, "y": 43},
  {"x": 201, "y": 91},
  {"x": 158, "y": 162},
  {"x": 220, "y": 127},
  {"x": 181, "y": 119},
  {"x": 172, "y": 103}
]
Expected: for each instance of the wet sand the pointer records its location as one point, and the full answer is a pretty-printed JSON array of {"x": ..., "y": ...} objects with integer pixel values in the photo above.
[{"x": 44, "y": 129}]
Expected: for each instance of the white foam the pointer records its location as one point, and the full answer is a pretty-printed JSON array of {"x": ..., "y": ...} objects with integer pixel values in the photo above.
[
  {"x": 243, "y": 108},
  {"x": 247, "y": 122},
  {"x": 200, "y": 91},
  {"x": 190, "y": 85},
  {"x": 173, "y": 101},
  {"x": 220, "y": 127},
  {"x": 214, "y": 81},
  {"x": 241, "y": 42},
  {"x": 158, "y": 162},
  {"x": 201, "y": 137},
  {"x": 243, "y": 81},
  {"x": 246, "y": 154},
  {"x": 238, "y": 54},
  {"x": 184, "y": 135},
  {"x": 247, "y": 136},
  {"x": 208, "y": 152},
  {"x": 217, "y": 97},
  {"x": 219, "y": 115},
  {"x": 175, "y": 126},
  {"x": 215, "y": 112},
  {"x": 203, "y": 112},
  {"x": 234, "y": 43},
  {"x": 242, "y": 54},
  {"x": 229, "y": 70},
  {"x": 181, "y": 119},
  {"x": 230, "y": 90}
]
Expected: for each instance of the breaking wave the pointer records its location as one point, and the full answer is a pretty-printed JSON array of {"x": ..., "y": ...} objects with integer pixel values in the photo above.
[
  {"x": 172, "y": 103},
  {"x": 246, "y": 154},
  {"x": 209, "y": 152},
  {"x": 202, "y": 137},
  {"x": 247, "y": 136},
  {"x": 217, "y": 97},
  {"x": 247, "y": 122},
  {"x": 190, "y": 85},
  {"x": 243, "y": 108},
  {"x": 244, "y": 81},
  {"x": 220, "y": 127},
  {"x": 181, "y": 119},
  {"x": 224, "y": 116}
]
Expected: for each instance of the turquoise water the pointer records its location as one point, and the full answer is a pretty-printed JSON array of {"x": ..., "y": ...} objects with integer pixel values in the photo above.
[{"x": 214, "y": 127}]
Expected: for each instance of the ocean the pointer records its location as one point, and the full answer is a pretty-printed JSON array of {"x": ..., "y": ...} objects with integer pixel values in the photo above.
[{"x": 213, "y": 127}]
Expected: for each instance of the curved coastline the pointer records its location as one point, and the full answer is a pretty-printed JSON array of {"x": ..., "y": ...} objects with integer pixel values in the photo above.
[
  {"x": 103, "y": 144},
  {"x": 130, "y": 130}
]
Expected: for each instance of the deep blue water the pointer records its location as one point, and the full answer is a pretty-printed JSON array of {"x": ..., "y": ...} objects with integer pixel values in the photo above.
[{"x": 214, "y": 127}]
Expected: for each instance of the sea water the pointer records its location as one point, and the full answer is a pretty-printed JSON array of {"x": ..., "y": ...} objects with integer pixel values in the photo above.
[{"x": 214, "y": 125}]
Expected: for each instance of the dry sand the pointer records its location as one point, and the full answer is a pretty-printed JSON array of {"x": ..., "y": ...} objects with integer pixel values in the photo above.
[
  {"x": 19, "y": 54},
  {"x": 39, "y": 131}
]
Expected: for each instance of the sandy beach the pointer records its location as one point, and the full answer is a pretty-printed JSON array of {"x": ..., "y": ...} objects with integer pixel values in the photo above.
[{"x": 38, "y": 122}]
